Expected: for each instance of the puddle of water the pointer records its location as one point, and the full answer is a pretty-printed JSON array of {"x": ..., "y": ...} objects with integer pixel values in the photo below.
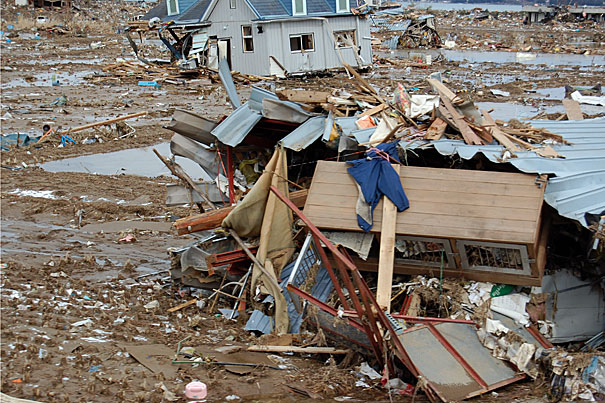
[
  {"x": 557, "y": 93},
  {"x": 478, "y": 56},
  {"x": 136, "y": 161},
  {"x": 45, "y": 80},
  {"x": 64, "y": 61}
]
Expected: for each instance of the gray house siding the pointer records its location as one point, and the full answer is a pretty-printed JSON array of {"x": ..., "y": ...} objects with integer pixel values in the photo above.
[
  {"x": 227, "y": 23},
  {"x": 324, "y": 55}
]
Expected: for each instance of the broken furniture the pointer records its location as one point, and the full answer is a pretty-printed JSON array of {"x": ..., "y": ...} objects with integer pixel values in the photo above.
[{"x": 483, "y": 226}]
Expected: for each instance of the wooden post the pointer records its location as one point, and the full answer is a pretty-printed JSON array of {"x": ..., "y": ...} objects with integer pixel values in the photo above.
[
  {"x": 230, "y": 175},
  {"x": 182, "y": 175},
  {"x": 387, "y": 252}
]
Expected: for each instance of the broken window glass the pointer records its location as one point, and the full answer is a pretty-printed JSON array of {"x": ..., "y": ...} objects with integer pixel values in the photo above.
[
  {"x": 345, "y": 39},
  {"x": 248, "y": 41}
]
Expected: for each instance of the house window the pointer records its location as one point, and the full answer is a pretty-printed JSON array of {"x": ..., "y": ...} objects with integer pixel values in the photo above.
[
  {"x": 342, "y": 6},
  {"x": 302, "y": 43},
  {"x": 172, "y": 7},
  {"x": 345, "y": 39},
  {"x": 247, "y": 38},
  {"x": 299, "y": 7},
  {"x": 231, "y": 3}
]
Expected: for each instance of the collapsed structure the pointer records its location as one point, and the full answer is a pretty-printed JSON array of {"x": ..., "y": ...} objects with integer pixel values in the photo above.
[{"x": 486, "y": 223}]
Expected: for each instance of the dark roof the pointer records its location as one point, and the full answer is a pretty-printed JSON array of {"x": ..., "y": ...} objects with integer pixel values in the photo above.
[
  {"x": 196, "y": 11},
  {"x": 266, "y": 9}
]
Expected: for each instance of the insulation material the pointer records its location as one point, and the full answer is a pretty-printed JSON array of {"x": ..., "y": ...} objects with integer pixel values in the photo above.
[{"x": 262, "y": 213}]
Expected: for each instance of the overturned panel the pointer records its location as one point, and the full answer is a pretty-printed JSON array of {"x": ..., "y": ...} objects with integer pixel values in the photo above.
[
  {"x": 193, "y": 126},
  {"x": 484, "y": 226},
  {"x": 453, "y": 361},
  {"x": 444, "y": 203}
]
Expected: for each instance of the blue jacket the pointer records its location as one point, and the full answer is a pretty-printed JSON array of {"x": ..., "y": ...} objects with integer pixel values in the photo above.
[{"x": 376, "y": 177}]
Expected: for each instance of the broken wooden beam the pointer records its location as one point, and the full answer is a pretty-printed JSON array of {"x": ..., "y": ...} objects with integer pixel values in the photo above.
[
  {"x": 213, "y": 219},
  {"x": 296, "y": 349},
  {"x": 201, "y": 222},
  {"x": 180, "y": 173},
  {"x": 181, "y": 306},
  {"x": 436, "y": 130},
  {"x": 103, "y": 123},
  {"x": 573, "y": 110},
  {"x": 499, "y": 134},
  {"x": 387, "y": 251},
  {"x": 310, "y": 97}
]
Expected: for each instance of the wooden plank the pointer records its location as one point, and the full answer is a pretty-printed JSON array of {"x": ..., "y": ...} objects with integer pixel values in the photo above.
[
  {"x": 297, "y": 349},
  {"x": 470, "y": 137},
  {"x": 324, "y": 167},
  {"x": 498, "y": 134},
  {"x": 181, "y": 306},
  {"x": 441, "y": 88},
  {"x": 436, "y": 130},
  {"x": 374, "y": 110},
  {"x": 430, "y": 220},
  {"x": 325, "y": 198},
  {"x": 387, "y": 252},
  {"x": 454, "y": 185},
  {"x": 445, "y": 208},
  {"x": 573, "y": 110},
  {"x": 338, "y": 224},
  {"x": 485, "y": 276},
  {"x": 306, "y": 96}
]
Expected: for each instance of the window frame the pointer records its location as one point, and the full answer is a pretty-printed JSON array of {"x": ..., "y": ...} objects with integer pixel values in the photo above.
[
  {"x": 304, "y": 10},
  {"x": 302, "y": 50},
  {"x": 344, "y": 10},
  {"x": 345, "y": 31},
  {"x": 244, "y": 37},
  {"x": 233, "y": 4},
  {"x": 168, "y": 8}
]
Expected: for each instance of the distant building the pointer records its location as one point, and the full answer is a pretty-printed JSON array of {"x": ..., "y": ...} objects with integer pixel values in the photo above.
[{"x": 269, "y": 37}]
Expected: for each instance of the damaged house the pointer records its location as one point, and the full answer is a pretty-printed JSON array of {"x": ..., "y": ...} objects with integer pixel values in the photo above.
[{"x": 261, "y": 37}]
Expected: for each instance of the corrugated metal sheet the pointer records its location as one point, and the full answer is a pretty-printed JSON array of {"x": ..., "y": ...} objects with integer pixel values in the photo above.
[
  {"x": 236, "y": 127},
  {"x": 224, "y": 74},
  {"x": 579, "y": 183},
  {"x": 328, "y": 127},
  {"x": 256, "y": 98},
  {"x": 306, "y": 134}
]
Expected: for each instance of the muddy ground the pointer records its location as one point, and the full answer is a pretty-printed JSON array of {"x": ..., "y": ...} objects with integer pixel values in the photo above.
[{"x": 72, "y": 300}]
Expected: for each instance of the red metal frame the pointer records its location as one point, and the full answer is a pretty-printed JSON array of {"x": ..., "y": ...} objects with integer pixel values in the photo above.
[
  {"x": 225, "y": 258},
  {"x": 368, "y": 316}
]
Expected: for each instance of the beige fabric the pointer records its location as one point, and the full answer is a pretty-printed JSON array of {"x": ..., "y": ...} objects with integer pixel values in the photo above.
[{"x": 262, "y": 213}]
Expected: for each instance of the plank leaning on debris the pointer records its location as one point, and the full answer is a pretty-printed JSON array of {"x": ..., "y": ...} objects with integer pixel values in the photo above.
[
  {"x": 105, "y": 122},
  {"x": 180, "y": 173},
  {"x": 387, "y": 251},
  {"x": 296, "y": 349}
]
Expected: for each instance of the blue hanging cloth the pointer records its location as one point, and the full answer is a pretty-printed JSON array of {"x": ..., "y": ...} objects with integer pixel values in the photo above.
[{"x": 376, "y": 177}]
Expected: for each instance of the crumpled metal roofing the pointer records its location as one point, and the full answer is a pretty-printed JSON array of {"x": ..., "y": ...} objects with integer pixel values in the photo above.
[
  {"x": 306, "y": 134},
  {"x": 578, "y": 185},
  {"x": 234, "y": 129}
]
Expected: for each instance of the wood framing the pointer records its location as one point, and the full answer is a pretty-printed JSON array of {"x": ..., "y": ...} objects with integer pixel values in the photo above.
[{"x": 478, "y": 210}]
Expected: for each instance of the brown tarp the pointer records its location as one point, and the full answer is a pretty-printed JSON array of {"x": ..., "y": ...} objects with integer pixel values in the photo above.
[{"x": 262, "y": 214}]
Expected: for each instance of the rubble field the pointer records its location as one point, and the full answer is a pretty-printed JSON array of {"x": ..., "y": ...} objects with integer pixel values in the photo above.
[{"x": 90, "y": 307}]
